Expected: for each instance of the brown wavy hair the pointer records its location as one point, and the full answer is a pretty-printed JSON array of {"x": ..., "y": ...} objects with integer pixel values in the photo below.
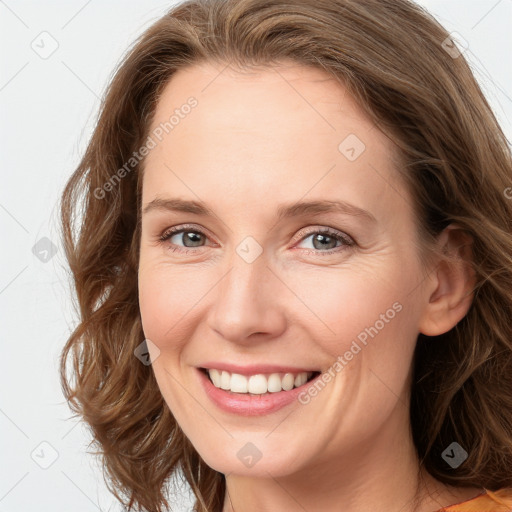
[{"x": 455, "y": 160}]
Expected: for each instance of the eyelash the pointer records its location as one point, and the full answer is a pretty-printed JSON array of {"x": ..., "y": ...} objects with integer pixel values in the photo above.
[{"x": 337, "y": 235}]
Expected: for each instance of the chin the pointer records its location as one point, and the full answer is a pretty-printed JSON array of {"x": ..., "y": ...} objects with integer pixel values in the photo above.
[{"x": 252, "y": 456}]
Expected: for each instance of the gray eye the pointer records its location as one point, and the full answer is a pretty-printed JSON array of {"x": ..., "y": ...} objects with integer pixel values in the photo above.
[
  {"x": 321, "y": 241},
  {"x": 189, "y": 238}
]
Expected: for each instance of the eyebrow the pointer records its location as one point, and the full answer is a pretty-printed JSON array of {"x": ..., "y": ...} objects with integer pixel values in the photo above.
[{"x": 283, "y": 211}]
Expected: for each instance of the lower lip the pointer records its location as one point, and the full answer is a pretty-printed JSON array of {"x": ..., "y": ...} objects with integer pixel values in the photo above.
[{"x": 250, "y": 405}]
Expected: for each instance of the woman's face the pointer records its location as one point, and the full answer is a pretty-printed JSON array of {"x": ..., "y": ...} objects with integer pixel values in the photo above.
[{"x": 295, "y": 254}]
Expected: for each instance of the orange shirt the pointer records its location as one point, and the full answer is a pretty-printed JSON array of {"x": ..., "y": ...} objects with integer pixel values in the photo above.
[{"x": 498, "y": 501}]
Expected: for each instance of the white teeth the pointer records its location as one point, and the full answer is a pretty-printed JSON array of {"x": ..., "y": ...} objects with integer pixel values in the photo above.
[
  {"x": 274, "y": 383},
  {"x": 225, "y": 381},
  {"x": 288, "y": 380},
  {"x": 239, "y": 384},
  {"x": 300, "y": 379},
  {"x": 257, "y": 384},
  {"x": 215, "y": 376}
]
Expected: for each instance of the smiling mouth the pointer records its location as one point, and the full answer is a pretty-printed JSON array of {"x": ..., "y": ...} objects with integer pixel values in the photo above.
[{"x": 258, "y": 384}]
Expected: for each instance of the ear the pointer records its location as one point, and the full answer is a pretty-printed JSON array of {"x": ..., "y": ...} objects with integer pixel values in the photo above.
[{"x": 450, "y": 289}]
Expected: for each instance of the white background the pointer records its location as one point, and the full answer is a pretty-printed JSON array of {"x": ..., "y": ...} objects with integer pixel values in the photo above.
[{"x": 48, "y": 108}]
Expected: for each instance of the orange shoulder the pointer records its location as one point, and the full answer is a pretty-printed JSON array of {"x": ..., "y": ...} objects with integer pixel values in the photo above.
[{"x": 491, "y": 501}]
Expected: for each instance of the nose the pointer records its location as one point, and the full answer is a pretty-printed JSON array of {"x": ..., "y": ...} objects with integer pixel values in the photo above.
[{"x": 246, "y": 305}]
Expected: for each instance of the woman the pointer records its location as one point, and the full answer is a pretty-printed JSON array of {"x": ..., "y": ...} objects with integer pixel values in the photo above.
[{"x": 294, "y": 266}]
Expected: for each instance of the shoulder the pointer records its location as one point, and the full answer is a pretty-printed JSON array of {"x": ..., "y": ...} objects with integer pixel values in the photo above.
[{"x": 490, "y": 501}]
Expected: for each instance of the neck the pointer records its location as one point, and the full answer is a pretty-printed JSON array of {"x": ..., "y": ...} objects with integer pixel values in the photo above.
[{"x": 378, "y": 474}]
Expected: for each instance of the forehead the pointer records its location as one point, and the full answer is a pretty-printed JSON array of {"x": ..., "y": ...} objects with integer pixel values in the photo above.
[
  {"x": 298, "y": 90},
  {"x": 288, "y": 126}
]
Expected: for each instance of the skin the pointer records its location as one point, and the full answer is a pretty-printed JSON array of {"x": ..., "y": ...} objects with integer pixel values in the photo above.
[{"x": 257, "y": 140}]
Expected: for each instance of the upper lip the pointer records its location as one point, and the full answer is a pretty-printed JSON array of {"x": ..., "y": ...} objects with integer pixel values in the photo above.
[{"x": 253, "y": 369}]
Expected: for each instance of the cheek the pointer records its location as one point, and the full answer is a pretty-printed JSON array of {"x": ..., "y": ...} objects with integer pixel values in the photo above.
[
  {"x": 352, "y": 303},
  {"x": 151, "y": 305},
  {"x": 163, "y": 310},
  {"x": 170, "y": 299}
]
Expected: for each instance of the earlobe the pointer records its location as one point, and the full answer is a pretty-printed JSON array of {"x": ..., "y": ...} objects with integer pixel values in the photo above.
[{"x": 449, "y": 297}]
